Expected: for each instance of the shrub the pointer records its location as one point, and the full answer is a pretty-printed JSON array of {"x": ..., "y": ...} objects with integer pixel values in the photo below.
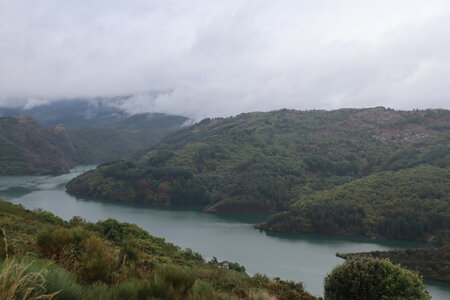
[
  {"x": 368, "y": 278},
  {"x": 50, "y": 217},
  {"x": 128, "y": 252},
  {"x": 112, "y": 230},
  {"x": 202, "y": 291},
  {"x": 126, "y": 290},
  {"x": 59, "y": 279},
  {"x": 157, "y": 288},
  {"x": 95, "y": 262},
  {"x": 51, "y": 243},
  {"x": 181, "y": 279}
]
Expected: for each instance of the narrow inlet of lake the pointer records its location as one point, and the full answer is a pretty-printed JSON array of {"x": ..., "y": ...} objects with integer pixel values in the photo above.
[{"x": 306, "y": 258}]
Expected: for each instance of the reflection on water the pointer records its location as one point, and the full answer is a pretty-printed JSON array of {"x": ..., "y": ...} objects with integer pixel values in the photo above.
[{"x": 228, "y": 237}]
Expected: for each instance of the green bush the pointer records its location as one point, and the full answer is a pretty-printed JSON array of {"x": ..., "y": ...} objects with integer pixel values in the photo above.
[
  {"x": 112, "y": 230},
  {"x": 203, "y": 291},
  {"x": 368, "y": 278},
  {"x": 60, "y": 280},
  {"x": 50, "y": 217},
  {"x": 51, "y": 243},
  {"x": 96, "y": 262},
  {"x": 157, "y": 288},
  {"x": 179, "y": 278}
]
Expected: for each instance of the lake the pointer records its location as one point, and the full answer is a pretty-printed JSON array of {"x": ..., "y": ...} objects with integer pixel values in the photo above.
[{"x": 307, "y": 258}]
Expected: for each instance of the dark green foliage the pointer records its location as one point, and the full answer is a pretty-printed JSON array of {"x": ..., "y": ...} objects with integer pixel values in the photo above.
[
  {"x": 115, "y": 231},
  {"x": 165, "y": 185},
  {"x": 50, "y": 217},
  {"x": 112, "y": 230},
  {"x": 402, "y": 225},
  {"x": 367, "y": 278},
  {"x": 189, "y": 254},
  {"x": 432, "y": 263},
  {"x": 160, "y": 158},
  {"x": 410, "y": 204}
]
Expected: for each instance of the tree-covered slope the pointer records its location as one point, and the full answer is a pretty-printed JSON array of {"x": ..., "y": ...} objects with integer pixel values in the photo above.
[
  {"x": 411, "y": 204},
  {"x": 432, "y": 263},
  {"x": 263, "y": 162},
  {"x": 28, "y": 147},
  {"x": 113, "y": 260}
]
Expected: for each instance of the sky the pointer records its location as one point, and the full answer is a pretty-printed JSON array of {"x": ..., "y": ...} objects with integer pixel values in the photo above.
[{"x": 220, "y": 58}]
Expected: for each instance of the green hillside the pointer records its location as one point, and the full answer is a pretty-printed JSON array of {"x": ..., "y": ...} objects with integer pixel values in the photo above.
[
  {"x": 432, "y": 263},
  {"x": 410, "y": 204},
  {"x": 28, "y": 147},
  {"x": 264, "y": 162},
  {"x": 40, "y": 254}
]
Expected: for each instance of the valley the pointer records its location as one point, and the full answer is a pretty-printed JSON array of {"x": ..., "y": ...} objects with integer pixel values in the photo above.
[{"x": 307, "y": 258}]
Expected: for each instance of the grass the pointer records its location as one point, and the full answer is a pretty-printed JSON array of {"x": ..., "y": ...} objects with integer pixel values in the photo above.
[
  {"x": 47, "y": 259},
  {"x": 17, "y": 281}
]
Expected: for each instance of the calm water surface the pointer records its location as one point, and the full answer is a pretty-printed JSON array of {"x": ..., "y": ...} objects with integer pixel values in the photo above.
[{"x": 305, "y": 258}]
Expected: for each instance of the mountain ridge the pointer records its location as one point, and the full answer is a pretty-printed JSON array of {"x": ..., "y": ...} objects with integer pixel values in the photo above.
[
  {"x": 262, "y": 162},
  {"x": 29, "y": 147}
]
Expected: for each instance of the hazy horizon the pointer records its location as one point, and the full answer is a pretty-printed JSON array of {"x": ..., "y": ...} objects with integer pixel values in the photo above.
[{"x": 210, "y": 58}]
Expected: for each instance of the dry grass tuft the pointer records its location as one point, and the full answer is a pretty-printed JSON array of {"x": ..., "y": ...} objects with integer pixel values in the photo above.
[{"x": 17, "y": 282}]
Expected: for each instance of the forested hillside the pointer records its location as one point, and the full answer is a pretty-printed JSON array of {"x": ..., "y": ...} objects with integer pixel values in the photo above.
[
  {"x": 264, "y": 162},
  {"x": 40, "y": 254},
  {"x": 410, "y": 204},
  {"x": 28, "y": 147},
  {"x": 432, "y": 263}
]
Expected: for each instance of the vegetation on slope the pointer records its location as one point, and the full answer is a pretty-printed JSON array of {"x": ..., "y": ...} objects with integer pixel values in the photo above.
[
  {"x": 410, "y": 204},
  {"x": 373, "y": 279},
  {"x": 432, "y": 263},
  {"x": 113, "y": 260},
  {"x": 27, "y": 147},
  {"x": 264, "y": 162}
]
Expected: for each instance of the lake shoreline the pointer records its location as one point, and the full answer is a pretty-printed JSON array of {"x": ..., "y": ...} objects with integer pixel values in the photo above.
[{"x": 307, "y": 257}]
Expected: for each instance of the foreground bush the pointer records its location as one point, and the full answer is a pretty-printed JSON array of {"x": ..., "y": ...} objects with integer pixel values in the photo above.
[{"x": 368, "y": 278}]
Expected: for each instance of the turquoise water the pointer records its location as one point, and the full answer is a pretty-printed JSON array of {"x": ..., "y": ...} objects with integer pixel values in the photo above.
[{"x": 305, "y": 258}]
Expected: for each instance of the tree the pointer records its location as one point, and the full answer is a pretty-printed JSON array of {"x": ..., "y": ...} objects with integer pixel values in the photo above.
[{"x": 369, "y": 278}]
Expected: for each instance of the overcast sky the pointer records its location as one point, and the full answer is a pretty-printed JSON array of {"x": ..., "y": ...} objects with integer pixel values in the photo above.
[{"x": 220, "y": 58}]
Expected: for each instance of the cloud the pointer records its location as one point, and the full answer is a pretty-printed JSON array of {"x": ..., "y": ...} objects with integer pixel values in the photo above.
[{"x": 220, "y": 58}]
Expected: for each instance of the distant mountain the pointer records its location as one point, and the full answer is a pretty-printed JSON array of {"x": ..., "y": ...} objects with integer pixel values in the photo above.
[
  {"x": 75, "y": 132},
  {"x": 264, "y": 162},
  {"x": 27, "y": 147},
  {"x": 80, "y": 113}
]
